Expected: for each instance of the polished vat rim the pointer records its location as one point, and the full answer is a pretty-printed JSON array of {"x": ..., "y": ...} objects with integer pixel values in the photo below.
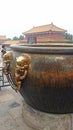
[{"x": 44, "y": 48}]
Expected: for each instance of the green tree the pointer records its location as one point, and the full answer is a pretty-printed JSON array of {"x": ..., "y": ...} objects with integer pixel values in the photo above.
[
  {"x": 68, "y": 36},
  {"x": 21, "y": 37},
  {"x": 15, "y": 38}
]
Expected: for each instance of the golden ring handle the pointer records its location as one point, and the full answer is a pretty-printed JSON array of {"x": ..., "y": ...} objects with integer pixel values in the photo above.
[
  {"x": 22, "y": 65},
  {"x": 21, "y": 69}
]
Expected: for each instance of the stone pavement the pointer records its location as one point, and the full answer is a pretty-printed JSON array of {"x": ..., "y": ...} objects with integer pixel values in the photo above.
[{"x": 11, "y": 110}]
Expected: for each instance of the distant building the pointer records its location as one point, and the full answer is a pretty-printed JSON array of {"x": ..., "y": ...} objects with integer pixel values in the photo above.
[
  {"x": 45, "y": 34},
  {"x": 10, "y": 42},
  {"x": 3, "y": 39}
]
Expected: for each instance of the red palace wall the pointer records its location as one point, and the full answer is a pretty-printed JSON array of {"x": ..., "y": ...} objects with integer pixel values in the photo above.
[{"x": 47, "y": 37}]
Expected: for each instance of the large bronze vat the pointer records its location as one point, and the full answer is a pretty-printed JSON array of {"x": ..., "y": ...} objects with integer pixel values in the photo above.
[{"x": 43, "y": 74}]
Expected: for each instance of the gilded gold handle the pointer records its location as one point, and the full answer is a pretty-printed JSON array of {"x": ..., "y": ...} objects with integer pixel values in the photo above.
[
  {"x": 20, "y": 71},
  {"x": 7, "y": 58},
  {"x": 22, "y": 65}
]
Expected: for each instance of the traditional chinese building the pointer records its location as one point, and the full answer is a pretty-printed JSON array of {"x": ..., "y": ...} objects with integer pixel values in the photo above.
[
  {"x": 45, "y": 34},
  {"x": 3, "y": 39}
]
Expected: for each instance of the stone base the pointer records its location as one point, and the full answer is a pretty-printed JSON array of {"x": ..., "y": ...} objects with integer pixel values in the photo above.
[{"x": 45, "y": 121}]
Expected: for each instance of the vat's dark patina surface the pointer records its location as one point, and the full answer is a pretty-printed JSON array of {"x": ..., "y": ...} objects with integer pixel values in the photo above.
[{"x": 47, "y": 84}]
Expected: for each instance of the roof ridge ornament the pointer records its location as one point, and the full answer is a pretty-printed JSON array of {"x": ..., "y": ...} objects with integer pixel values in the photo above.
[{"x": 52, "y": 23}]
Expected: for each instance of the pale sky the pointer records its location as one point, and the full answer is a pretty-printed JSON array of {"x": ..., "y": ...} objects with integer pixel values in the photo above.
[{"x": 18, "y": 16}]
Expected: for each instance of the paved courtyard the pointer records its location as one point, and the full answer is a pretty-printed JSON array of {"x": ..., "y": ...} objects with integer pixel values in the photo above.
[{"x": 11, "y": 110}]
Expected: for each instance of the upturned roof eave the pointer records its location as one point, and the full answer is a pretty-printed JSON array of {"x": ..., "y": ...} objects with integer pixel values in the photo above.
[
  {"x": 44, "y": 28},
  {"x": 29, "y": 33}
]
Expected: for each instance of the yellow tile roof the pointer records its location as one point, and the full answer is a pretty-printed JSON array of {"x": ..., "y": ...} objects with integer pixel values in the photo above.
[
  {"x": 11, "y": 42},
  {"x": 44, "y": 28}
]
